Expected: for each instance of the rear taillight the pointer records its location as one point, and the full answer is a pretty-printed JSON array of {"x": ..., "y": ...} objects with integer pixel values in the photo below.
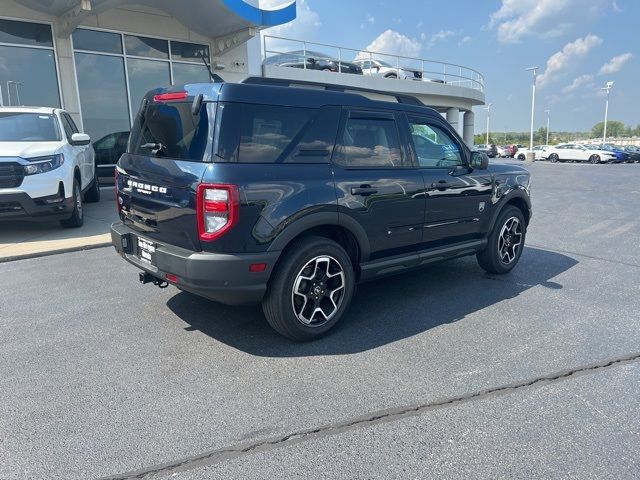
[{"x": 218, "y": 209}]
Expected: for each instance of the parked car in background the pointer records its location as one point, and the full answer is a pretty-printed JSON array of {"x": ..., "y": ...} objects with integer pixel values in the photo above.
[
  {"x": 579, "y": 153},
  {"x": 503, "y": 151},
  {"x": 47, "y": 166},
  {"x": 108, "y": 150},
  {"x": 621, "y": 155},
  {"x": 540, "y": 152},
  {"x": 633, "y": 152},
  {"x": 383, "y": 69},
  {"x": 313, "y": 61},
  {"x": 490, "y": 150}
]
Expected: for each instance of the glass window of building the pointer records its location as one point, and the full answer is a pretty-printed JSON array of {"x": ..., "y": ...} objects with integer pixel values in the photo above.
[
  {"x": 27, "y": 65},
  {"x": 103, "y": 94},
  {"x": 146, "y": 47},
  {"x": 96, "y": 41},
  {"x": 190, "y": 52},
  {"x": 184, "y": 73},
  {"x": 145, "y": 75}
]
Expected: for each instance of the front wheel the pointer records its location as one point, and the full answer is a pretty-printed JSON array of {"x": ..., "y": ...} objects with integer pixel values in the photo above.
[
  {"x": 310, "y": 289},
  {"x": 594, "y": 159},
  {"x": 77, "y": 216},
  {"x": 505, "y": 243},
  {"x": 521, "y": 157},
  {"x": 553, "y": 158}
]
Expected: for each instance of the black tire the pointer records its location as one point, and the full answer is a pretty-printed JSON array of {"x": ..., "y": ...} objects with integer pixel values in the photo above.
[
  {"x": 92, "y": 195},
  {"x": 594, "y": 158},
  {"x": 521, "y": 157},
  {"x": 491, "y": 259},
  {"x": 280, "y": 302},
  {"x": 553, "y": 158},
  {"x": 77, "y": 216}
]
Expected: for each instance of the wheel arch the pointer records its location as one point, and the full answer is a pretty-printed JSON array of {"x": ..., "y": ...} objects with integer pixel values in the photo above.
[
  {"x": 516, "y": 198},
  {"x": 340, "y": 228}
]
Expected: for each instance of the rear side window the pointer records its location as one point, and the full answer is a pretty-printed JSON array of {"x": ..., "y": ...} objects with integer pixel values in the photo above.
[
  {"x": 171, "y": 130},
  {"x": 275, "y": 134},
  {"x": 370, "y": 142}
]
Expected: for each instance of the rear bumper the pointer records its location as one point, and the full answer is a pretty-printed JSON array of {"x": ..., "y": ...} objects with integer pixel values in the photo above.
[
  {"x": 223, "y": 278},
  {"x": 20, "y": 205}
]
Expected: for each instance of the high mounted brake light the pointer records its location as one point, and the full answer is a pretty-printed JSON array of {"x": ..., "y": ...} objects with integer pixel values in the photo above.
[
  {"x": 218, "y": 209},
  {"x": 169, "y": 97}
]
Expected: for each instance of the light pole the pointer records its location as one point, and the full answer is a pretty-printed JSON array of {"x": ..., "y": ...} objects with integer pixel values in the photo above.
[
  {"x": 606, "y": 111},
  {"x": 548, "y": 112},
  {"x": 533, "y": 104},
  {"x": 488, "y": 109}
]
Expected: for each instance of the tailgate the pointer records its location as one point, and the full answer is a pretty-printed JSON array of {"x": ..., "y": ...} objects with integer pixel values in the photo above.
[{"x": 158, "y": 198}]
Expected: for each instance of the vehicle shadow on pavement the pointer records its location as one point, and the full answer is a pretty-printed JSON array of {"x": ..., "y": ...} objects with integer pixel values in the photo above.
[{"x": 383, "y": 311}]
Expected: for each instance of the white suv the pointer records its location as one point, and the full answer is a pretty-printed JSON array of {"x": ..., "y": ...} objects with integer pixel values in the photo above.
[{"x": 47, "y": 166}]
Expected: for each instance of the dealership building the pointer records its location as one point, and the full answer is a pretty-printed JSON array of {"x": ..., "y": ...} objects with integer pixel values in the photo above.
[{"x": 97, "y": 58}]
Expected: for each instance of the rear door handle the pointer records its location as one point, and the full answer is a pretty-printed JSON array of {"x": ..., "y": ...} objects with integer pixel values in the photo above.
[
  {"x": 364, "y": 190},
  {"x": 442, "y": 185}
]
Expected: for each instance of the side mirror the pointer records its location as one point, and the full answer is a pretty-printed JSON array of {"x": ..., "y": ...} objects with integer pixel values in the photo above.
[
  {"x": 79, "y": 139},
  {"x": 311, "y": 60},
  {"x": 479, "y": 161}
]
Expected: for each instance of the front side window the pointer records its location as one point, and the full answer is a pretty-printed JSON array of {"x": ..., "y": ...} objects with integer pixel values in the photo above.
[
  {"x": 370, "y": 142},
  {"x": 28, "y": 127},
  {"x": 434, "y": 147}
]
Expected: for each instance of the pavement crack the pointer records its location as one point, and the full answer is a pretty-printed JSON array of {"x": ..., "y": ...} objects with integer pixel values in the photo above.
[{"x": 382, "y": 416}]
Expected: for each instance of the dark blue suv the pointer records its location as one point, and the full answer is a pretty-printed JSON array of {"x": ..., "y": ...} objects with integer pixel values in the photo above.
[{"x": 290, "y": 196}]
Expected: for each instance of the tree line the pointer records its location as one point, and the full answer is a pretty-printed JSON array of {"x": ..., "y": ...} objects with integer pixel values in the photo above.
[{"x": 615, "y": 128}]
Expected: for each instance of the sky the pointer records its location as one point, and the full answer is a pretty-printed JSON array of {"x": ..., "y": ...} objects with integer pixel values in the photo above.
[{"x": 579, "y": 45}]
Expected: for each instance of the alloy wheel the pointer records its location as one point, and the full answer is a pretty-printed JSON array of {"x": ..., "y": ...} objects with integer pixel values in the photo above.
[
  {"x": 318, "y": 291},
  {"x": 510, "y": 240}
]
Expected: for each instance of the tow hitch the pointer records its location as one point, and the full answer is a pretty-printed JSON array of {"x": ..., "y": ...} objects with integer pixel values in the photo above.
[{"x": 148, "y": 278}]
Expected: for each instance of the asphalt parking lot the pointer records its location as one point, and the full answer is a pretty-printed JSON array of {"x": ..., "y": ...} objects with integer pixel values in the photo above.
[{"x": 446, "y": 372}]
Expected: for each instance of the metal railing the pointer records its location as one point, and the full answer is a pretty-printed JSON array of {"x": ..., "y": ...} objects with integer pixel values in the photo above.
[{"x": 302, "y": 54}]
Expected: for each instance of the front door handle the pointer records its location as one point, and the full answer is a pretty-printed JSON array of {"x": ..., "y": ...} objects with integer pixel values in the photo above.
[{"x": 364, "y": 190}]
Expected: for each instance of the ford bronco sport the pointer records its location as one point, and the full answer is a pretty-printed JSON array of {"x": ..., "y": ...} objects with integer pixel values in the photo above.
[{"x": 289, "y": 196}]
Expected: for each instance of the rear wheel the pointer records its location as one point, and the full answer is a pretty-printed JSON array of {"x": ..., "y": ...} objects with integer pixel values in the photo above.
[
  {"x": 521, "y": 157},
  {"x": 391, "y": 75},
  {"x": 553, "y": 158},
  {"x": 310, "y": 289},
  {"x": 505, "y": 243},
  {"x": 594, "y": 159},
  {"x": 77, "y": 216}
]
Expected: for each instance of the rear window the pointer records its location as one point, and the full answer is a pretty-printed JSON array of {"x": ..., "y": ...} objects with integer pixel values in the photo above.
[
  {"x": 28, "y": 127},
  {"x": 171, "y": 130},
  {"x": 251, "y": 133}
]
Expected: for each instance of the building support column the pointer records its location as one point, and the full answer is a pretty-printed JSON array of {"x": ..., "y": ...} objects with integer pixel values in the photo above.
[
  {"x": 468, "y": 127},
  {"x": 453, "y": 117}
]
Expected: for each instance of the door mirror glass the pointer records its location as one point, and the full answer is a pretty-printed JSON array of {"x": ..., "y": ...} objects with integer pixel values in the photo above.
[
  {"x": 479, "y": 161},
  {"x": 78, "y": 139}
]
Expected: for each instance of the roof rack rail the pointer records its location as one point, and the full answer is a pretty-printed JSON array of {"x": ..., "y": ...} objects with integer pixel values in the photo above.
[{"x": 283, "y": 82}]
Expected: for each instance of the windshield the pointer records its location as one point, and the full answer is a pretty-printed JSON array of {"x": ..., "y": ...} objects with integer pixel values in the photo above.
[{"x": 28, "y": 127}]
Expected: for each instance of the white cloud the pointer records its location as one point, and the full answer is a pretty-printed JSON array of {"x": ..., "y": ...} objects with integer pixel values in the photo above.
[
  {"x": 394, "y": 43},
  {"x": 615, "y": 7},
  {"x": 371, "y": 19},
  {"x": 307, "y": 22},
  {"x": 615, "y": 64},
  {"x": 440, "y": 36},
  {"x": 464, "y": 40},
  {"x": 559, "y": 61},
  {"x": 582, "y": 80},
  {"x": 516, "y": 19}
]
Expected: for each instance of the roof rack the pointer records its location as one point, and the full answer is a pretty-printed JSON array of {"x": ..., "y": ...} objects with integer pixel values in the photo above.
[{"x": 283, "y": 82}]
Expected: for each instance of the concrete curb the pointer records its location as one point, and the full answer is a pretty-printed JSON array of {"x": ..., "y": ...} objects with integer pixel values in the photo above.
[{"x": 26, "y": 256}]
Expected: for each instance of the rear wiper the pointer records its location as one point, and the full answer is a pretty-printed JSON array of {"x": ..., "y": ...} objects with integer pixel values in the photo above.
[{"x": 155, "y": 148}]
